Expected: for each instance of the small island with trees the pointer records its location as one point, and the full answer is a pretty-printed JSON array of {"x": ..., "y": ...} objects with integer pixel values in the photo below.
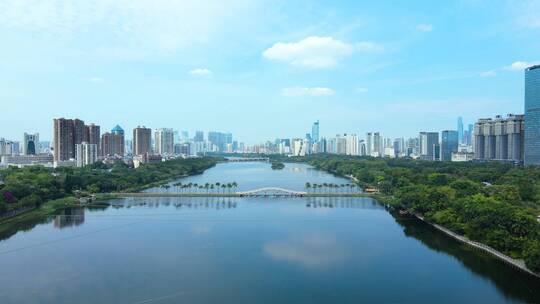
[{"x": 277, "y": 165}]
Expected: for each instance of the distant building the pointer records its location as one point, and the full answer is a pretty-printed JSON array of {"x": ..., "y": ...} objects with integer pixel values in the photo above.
[
  {"x": 413, "y": 147},
  {"x": 66, "y": 134},
  {"x": 449, "y": 144},
  {"x": 460, "y": 131},
  {"x": 462, "y": 156},
  {"x": 315, "y": 131},
  {"x": 44, "y": 147},
  {"x": 220, "y": 140},
  {"x": 351, "y": 144},
  {"x": 532, "y": 116},
  {"x": 113, "y": 143},
  {"x": 362, "y": 148},
  {"x": 500, "y": 139},
  {"x": 142, "y": 140},
  {"x": 93, "y": 136},
  {"x": 86, "y": 154},
  {"x": 199, "y": 136},
  {"x": 341, "y": 145},
  {"x": 30, "y": 144},
  {"x": 182, "y": 149},
  {"x": 429, "y": 141},
  {"x": 377, "y": 145},
  {"x": 299, "y": 147},
  {"x": 399, "y": 147},
  {"x": 28, "y": 160},
  {"x": 369, "y": 143},
  {"x": 164, "y": 139},
  {"x": 146, "y": 159}
]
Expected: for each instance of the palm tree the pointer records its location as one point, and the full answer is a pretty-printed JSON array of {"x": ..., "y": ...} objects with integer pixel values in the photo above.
[
  {"x": 206, "y": 186},
  {"x": 308, "y": 186},
  {"x": 223, "y": 186},
  {"x": 326, "y": 185},
  {"x": 229, "y": 186},
  {"x": 212, "y": 187},
  {"x": 235, "y": 185}
]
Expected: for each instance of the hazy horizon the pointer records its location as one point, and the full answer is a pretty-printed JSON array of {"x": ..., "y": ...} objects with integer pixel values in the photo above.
[{"x": 263, "y": 69}]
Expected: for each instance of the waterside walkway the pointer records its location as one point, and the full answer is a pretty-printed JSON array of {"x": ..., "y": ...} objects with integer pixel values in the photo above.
[{"x": 520, "y": 264}]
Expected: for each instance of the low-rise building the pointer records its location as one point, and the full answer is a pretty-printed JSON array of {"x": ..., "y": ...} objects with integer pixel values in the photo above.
[
  {"x": 462, "y": 156},
  {"x": 28, "y": 160}
]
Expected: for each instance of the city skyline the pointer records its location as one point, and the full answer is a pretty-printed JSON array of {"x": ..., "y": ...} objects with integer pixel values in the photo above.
[{"x": 341, "y": 63}]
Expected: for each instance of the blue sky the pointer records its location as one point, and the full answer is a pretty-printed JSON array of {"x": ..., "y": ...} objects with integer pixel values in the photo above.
[{"x": 263, "y": 69}]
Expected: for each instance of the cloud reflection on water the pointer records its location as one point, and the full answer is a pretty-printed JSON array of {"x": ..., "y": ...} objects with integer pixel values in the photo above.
[{"x": 314, "y": 251}]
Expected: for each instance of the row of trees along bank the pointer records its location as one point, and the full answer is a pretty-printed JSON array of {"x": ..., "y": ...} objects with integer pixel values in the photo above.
[{"x": 29, "y": 187}]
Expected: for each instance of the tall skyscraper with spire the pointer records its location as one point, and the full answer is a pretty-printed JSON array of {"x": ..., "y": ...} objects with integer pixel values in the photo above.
[
  {"x": 460, "y": 129},
  {"x": 315, "y": 132}
]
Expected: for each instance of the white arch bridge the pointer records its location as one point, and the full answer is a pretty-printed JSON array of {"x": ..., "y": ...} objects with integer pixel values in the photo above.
[{"x": 271, "y": 192}]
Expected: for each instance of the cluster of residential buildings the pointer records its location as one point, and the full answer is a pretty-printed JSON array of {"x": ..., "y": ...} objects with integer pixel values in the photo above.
[
  {"x": 78, "y": 144},
  {"x": 514, "y": 139}
]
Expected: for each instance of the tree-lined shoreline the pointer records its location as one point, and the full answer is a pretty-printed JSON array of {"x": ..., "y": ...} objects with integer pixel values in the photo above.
[
  {"x": 491, "y": 203},
  {"x": 32, "y": 187}
]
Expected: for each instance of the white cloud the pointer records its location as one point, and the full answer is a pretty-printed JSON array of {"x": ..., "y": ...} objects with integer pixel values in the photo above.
[
  {"x": 312, "y": 52},
  {"x": 163, "y": 25},
  {"x": 306, "y": 91},
  {"x": 96, "y": 79},
  {"x": 491, "y": 73},
  {"x": 521, "y": 65},
  {"x": 424, "y": 27},
  {"x": 200, "y": 72}
]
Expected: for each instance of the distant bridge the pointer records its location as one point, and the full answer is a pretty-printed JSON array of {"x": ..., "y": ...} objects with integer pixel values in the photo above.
[
  {"x": 261, "y": 192},
  {"x": 271, "y": 192}
]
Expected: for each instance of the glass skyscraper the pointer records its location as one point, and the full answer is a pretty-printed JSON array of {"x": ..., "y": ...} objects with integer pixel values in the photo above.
[
  {"x": 460, "y": 129},
  {"x": 315, "y": 132},
  {"x": 449, "y": 144},
  {"x": 532, "y": 116}
]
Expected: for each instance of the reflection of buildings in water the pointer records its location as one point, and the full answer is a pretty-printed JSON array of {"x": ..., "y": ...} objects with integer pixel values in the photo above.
[
  {"x": 342, "y": 202},
  {"x": 203, "y": 203},
  {"x": 69, "y": 217}
]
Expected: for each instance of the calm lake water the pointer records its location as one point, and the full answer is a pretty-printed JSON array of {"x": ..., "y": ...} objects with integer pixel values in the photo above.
[{"x": 249, "y": 250}]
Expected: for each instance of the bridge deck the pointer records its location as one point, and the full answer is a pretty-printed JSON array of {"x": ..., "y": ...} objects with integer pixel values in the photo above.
[{"x": 233, "y": 194}]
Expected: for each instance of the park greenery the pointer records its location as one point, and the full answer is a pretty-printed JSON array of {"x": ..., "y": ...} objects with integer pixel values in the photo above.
[
  {"x": 493, "y": 203},
  {"x": 30, "y": 187}
]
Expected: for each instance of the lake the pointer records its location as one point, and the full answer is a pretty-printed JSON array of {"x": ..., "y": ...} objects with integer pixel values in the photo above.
[{"x": 249, "y": 250}]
